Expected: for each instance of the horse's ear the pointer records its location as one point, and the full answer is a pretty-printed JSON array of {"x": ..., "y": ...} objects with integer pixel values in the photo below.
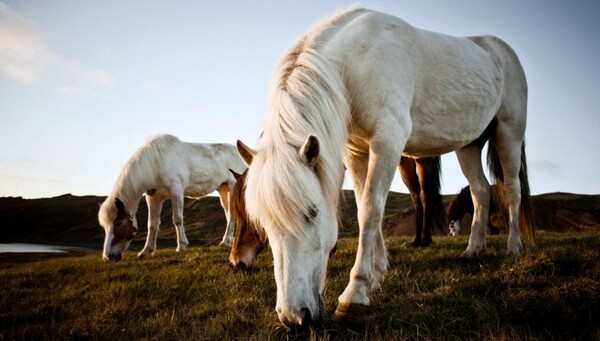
[
  {"x": 246, "y": 153},
  {"x": 309, "y": 152},
  {"x": 237, "y": 176},
  {"x": 120, "y": 206}
]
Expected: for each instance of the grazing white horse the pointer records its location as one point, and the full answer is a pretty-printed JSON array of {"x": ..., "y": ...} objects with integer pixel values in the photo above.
[
  {"x": 166, "y": 168},
  {"x": 361, "y": 89}
]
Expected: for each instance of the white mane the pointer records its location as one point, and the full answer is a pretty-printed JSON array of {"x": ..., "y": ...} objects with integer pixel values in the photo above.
[
  {"x": 307, "y": 97},
  {"x": 137, "y": 176}
]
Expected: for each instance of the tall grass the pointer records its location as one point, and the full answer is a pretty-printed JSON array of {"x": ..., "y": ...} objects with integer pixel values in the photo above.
[{"x": 551, "y": 292}]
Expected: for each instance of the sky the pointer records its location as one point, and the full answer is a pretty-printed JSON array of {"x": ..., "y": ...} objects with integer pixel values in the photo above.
[{"x": 84, "y": 83}]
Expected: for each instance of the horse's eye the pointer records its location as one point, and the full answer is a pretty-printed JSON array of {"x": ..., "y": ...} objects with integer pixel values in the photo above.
[
  {"x": 117, "y": 223},
  {"x": 312, "y": 214}
]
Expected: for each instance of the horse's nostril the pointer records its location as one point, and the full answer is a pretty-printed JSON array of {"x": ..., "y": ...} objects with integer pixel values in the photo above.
[{"x": 305, "y": 317}]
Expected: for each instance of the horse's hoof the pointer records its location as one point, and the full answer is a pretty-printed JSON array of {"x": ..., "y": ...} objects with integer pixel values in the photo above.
[
  {"x": 350, "y": 311},
  {"x": 470, "y": 255},
  {"x": 514, "y": 251},
  {"x": 145, "y": 253}
]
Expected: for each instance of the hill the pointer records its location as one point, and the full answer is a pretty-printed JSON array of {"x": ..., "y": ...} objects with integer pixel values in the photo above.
[{"x": 72, "y": 220}]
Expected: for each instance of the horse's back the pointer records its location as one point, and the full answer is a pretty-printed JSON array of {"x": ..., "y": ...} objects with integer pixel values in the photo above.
[
  {"x": 434, "y": 82},
  {"x": 196, "y": 168},
  {"x": 515, "y": 83}
]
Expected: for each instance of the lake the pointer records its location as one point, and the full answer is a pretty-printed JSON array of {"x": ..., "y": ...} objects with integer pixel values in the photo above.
[{"x": 37, "y": 248}]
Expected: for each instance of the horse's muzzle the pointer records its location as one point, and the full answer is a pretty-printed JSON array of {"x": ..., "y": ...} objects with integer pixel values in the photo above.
[
  {"x": 115, "y": 257},
  {"x": 238, "y": 266},
  {"x": 305, "y": 319}
]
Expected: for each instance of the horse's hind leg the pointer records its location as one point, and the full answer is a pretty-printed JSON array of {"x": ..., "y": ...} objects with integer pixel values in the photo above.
[
  {"x": 469, "y": 158},
  {"x": 177, "y": 207},
  {"x": 408, "y": 173},
  {"x": 154, "y": 209},
  {"x": 428, "y": 194},
  {"x": 509, "y": 153},
  {"x": 225, "y": 196}
]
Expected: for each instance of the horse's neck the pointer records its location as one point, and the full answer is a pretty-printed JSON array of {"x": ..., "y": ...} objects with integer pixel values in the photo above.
[
  {"x": 131, "y": 200},
  {"x": 130, "y": 194},
  {"x": 461, "y": 205},
  {"x": 455, "y": 210}
]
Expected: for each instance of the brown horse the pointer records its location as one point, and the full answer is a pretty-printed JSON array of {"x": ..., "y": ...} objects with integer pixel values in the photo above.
[
  {"x": 421, "y": 176},
  {"x": 463, "y": 204}
]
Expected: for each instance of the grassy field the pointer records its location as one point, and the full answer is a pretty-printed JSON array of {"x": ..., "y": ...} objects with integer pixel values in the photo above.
[{"x": 551, "y": 292}]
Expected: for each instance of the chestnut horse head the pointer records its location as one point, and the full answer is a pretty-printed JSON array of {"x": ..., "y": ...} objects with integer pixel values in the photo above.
[{"x": 248, "y": 240}]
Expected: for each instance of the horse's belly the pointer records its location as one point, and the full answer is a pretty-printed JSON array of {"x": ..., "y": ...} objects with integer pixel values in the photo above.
[
  {"x": 432, "y": 138},
  {"x": 198, "y": 190},
  {"x": 428, "y": 147}
]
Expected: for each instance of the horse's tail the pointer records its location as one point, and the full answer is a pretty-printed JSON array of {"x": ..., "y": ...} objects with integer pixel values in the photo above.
[
  {"x": 435, "y": 197},
  {"x": 525, "y": 211}
]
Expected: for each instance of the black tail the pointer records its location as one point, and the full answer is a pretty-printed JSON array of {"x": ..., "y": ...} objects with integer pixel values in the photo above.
[
  {"x": 525, "y": 211},
  {"x": 434, "y": 197}
]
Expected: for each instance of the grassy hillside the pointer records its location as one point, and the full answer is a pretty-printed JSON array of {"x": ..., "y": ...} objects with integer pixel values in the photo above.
[
  {"x": 551, "y": 292},
  {"x": 72, "y": 220}
]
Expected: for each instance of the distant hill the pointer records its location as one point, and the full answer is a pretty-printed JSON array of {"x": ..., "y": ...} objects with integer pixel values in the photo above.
[{"x": 72, "y": 220}]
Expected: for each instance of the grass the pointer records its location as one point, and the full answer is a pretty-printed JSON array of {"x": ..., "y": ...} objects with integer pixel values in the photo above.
[{"x": 551, "y": 292}]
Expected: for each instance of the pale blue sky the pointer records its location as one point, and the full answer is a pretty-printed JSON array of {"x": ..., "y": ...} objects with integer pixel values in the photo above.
[{"x": 84, "y": 83}]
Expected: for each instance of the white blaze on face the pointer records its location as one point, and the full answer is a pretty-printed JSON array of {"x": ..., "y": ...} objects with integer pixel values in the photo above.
[
  {"x": 455, "y": 227},
  {"x": 107, "y": 242}
]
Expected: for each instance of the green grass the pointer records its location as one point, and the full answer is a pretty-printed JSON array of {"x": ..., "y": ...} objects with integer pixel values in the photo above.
[{"x": 551, "y": 292}]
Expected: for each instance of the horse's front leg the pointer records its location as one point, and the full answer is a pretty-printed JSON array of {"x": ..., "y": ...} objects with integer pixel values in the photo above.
[
  {"x": 177, "y": 207},
  {"x": 154, "y": 209},
  {"x": 371, "y": 257},
  {"x": 469, "y": 158},
  {"x": 225, "y": 197}
]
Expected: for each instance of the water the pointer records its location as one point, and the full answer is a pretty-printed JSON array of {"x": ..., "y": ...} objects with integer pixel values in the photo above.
[{"x": 36, "y": 248}]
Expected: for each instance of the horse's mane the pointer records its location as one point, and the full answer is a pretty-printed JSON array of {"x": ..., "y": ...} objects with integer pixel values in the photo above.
[
  {"x": 307, "y": 97},
  {"x": 138, "y": 175}
]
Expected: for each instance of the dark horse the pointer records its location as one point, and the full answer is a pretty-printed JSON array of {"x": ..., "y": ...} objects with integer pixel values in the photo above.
[
  {"x": 463, "y": 204},
  {"x": 421, "y": 177}
]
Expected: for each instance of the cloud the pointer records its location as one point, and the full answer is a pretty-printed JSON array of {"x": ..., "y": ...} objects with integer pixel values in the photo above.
[
  {"x": 26, "y": 59},
  {"x": 545, "y": 165}
]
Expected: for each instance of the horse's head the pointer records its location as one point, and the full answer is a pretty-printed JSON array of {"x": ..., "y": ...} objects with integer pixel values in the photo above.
[
  {"x": 284, "y": 195},
  {"x": 454, "y": 227},
  {"x": 120, "y": 227},
  {"x": 248, "y": 240}
]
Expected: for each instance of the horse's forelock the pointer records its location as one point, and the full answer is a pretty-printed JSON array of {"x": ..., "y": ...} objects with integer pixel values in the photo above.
[{"x": 279, "y": 191}]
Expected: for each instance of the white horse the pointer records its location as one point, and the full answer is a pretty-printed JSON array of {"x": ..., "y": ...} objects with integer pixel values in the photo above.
[
  {"x": 166, "y": 168},
  {"x": 361, "y": 89}
]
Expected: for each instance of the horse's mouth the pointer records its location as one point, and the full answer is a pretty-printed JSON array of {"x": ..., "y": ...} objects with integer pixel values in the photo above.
[{"x": 115, "y": 258}]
